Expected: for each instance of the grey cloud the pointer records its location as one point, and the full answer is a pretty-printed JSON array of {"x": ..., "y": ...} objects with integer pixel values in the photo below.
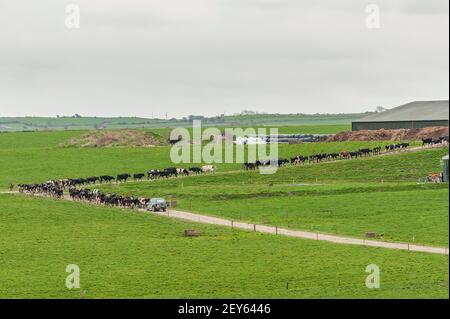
[{"x": 211, "y": 56}]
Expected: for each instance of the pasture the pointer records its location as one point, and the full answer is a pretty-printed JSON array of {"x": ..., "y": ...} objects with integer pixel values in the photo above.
[
  {"x": 12, "y": 124},
  {"x": 125, "y": 254},
  {"x": 326, "y": 197},
  {"x": 30, "y": 157},
  {"x": 129, "y": 254}
]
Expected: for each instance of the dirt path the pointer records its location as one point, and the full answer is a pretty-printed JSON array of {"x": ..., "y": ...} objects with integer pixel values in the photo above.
[{"x": 298, "y": 233}]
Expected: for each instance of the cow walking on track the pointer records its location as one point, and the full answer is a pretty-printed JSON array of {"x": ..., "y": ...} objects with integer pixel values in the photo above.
[
  {"x": 208, "y": 169},
  {"x": 106, "y": 178},
  {"x": 138, "y": 177},
  {"x": 122, "y": 177}
]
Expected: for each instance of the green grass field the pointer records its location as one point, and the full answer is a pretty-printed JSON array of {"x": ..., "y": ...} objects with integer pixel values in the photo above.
[
  {"x": 31, "y": 157},
  {"x": 13, "y": 124},
  {"x": 39, "y": 139},
  {"x": 338, "y": 206},
  {"x": 124, "y": 254},
  {"x": 128, "y": 254},
  {"x": 382, "y": 196}
]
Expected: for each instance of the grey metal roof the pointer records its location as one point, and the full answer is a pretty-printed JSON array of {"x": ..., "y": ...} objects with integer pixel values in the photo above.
[{"x": 414, "y": 111}]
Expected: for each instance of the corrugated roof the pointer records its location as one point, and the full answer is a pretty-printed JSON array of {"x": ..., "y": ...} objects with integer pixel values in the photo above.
[{"x": 414, "y": 111}]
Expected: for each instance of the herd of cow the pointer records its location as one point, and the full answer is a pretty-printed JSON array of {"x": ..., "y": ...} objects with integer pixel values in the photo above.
[
  {"x": 113, "y": 200},
  {"x": 432, "y": 141},
  {"x": 152, "y": 174},
  {"x": 362, "y": 152},
  {"x": 319, "y": 157},
  {"x": 49, "y": 188},
  {"x": 55, "y": 188},
  {"x": 156, "y": 173}
]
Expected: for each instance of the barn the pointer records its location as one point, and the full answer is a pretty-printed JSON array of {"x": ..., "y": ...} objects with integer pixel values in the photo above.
[{"x": 417, "y": 114}]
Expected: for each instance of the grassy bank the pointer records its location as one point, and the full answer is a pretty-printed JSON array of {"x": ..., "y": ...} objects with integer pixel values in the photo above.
[{"x": 122, "y": 254}]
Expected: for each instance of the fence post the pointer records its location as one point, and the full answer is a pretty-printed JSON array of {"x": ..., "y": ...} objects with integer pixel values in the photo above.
[
  {"x": 254, "y": 227},
  {"x": 232, "y": 224},
  {"x": 276, "y": 230},
  {"x": 317, "y": 236}
]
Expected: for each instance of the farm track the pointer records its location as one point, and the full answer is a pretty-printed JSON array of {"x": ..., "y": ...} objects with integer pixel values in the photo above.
[
  {"x": 301, "y": 234},
  {"x": 205, "y": 219}
]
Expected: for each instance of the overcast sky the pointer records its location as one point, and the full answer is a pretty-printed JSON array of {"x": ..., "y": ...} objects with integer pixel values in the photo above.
[{"x": 139, "y": 58}]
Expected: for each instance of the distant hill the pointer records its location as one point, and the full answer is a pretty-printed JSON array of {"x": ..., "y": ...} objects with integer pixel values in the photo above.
[{"x": 12, "y": 124}]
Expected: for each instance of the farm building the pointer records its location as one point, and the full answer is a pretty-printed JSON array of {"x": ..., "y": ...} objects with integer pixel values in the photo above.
[{"x": 418, "y": 114}]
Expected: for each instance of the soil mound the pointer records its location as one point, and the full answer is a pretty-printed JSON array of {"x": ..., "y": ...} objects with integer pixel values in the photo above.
[
  {"x": 390, "y": 135},
  {"x": 114, "y": 138}
]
